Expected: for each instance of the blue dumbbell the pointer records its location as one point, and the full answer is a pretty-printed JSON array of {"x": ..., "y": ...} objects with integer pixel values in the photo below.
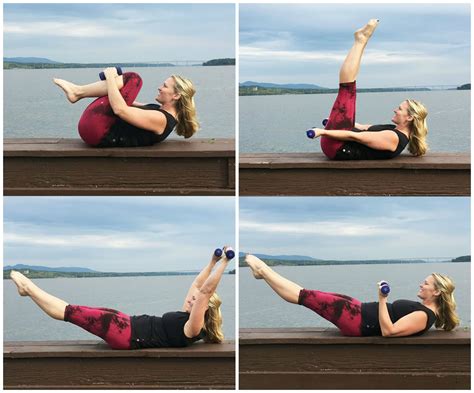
[
  {"x": 218, "y": 252},
  {"x": 325, "y": 121},
  {"x": 310, "y": 134},
  {"x": 384, "y": 288},
  {"x": 229, "y": 253},
  {"x": 102, "y": 75}
]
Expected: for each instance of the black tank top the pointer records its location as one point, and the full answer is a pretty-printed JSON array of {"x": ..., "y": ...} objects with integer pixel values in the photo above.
[
  {"x": 123, "y": 134},
  {"x": 358, "y": 151},
  {"x": 396, "y": 310},
  {"x": 156, "y": 332}
]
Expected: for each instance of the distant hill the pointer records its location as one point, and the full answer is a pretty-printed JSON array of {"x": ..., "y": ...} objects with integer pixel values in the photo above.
[
  {"x": 283, "y": 257},
  {"x": 219, "y": 62},
  {"x": 32, "y": 60},
  {"x": 465, "y": 258},
  {"x": 466, "y": 86},
  {"x": 281, "y": 86},
  {"x": 50, "y": 269}
]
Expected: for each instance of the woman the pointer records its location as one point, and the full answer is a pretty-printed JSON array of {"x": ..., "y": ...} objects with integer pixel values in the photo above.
[
  {"x": 353, "y": 318},
  {"x": 115, "y": 119},
  {"x": 343, "y": 139},
  {"x": 199, "y": 318}
]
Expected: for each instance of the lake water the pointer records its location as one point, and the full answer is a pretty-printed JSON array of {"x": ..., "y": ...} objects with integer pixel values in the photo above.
[
  {"x": 23, "y": 320},
  {"x": 278, "y": 123},
  {"x": 35, "y": 107},
  {"x": 260, "y": 307}
]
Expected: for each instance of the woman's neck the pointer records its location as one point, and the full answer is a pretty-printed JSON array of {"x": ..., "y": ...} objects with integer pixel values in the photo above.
[
  {"x": 171, "y": 109},
  {"x": 431, "y": 305}
]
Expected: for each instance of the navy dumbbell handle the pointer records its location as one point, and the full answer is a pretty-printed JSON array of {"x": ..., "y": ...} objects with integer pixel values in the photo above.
[{"x": 102, "y": 75}]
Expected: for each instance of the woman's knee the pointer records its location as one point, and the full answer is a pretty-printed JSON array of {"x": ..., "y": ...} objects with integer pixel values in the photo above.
[{"x": 133, "y": 78}]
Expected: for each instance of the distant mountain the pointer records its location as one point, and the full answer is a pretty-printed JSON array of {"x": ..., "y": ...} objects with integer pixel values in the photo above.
[
  {"x": 464, "y": 258},
  {"x": 283, "y": 257},
  {"x": 219, "y": 62},
  {"x": 281, "y": 86},
  {"x": 30, "y": 60},
  {"x": 50, "y": 269}
]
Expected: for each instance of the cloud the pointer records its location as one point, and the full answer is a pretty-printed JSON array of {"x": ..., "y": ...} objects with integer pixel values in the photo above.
[
  {"x": 319, "y": 228},
  {"x": 79, "y": 29}
]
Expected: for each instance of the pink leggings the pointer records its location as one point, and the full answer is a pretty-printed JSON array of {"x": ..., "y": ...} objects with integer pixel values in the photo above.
[
  {"x": 341, "y": 310},
  {"x": 99, "y": 117},
  {"x": 342, "y": 117},
  {"x": 110, "y": 325}
]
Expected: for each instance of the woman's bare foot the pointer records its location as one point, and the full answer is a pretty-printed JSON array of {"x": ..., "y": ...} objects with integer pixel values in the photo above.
[
  {"x": 21, "y": 282},
  {"x": 363, "y": 34},
  {"x": 256, "y": 264},
  {"x": 71, "y": 90}
]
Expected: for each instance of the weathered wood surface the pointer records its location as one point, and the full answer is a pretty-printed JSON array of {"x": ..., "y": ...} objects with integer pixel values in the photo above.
[
  {"x": 92, "y": 365},
  {"x": 314, "y": 174},
  {"x": 69, "y": 167},
  {"x": 315, "y": 358}
]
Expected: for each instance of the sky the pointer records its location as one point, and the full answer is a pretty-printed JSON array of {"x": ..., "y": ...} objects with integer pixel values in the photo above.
[
  {"x": 117, "y": 234},
  {"x": 356, "y": 227},
  {"x": 87, "y": 33},
  {"x": 414, "y": 44}
]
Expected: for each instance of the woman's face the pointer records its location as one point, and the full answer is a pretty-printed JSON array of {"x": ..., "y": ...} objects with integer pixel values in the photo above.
[
  {"x": 401, "y": 116},
  {"x": 428, "y": 290},
  {"x": 166, "y": 92}
]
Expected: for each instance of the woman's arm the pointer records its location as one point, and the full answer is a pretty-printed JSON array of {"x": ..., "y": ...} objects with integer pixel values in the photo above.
[
  {"x": 154, "y": 121},
  {"x": 362, "y": 127},
  {"x": 196, "y": 319},
  {"x": 200, "y": 279},
  {"x": 137, "y": 104},
  {"x": 410, "y": 324},
  {"x": 382, "y": 140}
]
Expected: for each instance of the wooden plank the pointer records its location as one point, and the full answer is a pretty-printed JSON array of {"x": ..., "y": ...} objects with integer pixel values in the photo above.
[
  {"x": 318, "y": 160},
  {"x": 69, "y": 167},
  {"x": 354, "y": 380},
  {"x": 306, "y": 174},
  {"x": 93, "y": 365},
  {"x": 59, "y": 147},
  {"x": 312, "y": 358}
]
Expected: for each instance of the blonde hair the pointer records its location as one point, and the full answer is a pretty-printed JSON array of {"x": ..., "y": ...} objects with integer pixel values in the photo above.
[
  {"x": 447, "y": 318},
  {"x": 185, "y": 109},
  {"x": 418, "y": 127},
  {"x": 213, "y": 321}
]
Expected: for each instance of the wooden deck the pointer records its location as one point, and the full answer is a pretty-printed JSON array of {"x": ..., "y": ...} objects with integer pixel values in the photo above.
[
  {"x": 313, "y": 174},
  {"x": 324, "y": 359},
  {"x": 69, "y": 167},
  {"x": 92, "y": 365}
]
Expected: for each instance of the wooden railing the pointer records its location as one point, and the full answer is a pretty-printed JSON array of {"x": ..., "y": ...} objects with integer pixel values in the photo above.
[
  {"x": 92, "y": 365},
  {"x": 70, "y": 167},
  {"x": 314, "y": 174},
  {"x": 324, "y": 359}
]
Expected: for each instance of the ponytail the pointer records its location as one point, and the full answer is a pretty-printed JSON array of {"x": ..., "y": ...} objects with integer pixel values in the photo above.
[{"x": 185, "y": 108}]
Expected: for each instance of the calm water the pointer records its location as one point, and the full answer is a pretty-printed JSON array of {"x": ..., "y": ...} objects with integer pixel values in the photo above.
[
  {"x": 278, "y": 123},
  {"x": 261, "y": 307},
  {"x": 35, "y": 107},
  {"x": 23, "y": 320}
]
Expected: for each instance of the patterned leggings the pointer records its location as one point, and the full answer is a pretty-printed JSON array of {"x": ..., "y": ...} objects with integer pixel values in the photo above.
[
  {"x": 99, "y": 117},
  {"x": 342, "y": 117},
  {"x": 341, "y": 310},
  {"x": 110, "y": 325}
]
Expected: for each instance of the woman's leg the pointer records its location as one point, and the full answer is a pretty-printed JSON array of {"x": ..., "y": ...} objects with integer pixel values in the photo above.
[
  {"x": 50, "y": 304},
  {"x": 343, "y": 311},
  {"x": 75, "y": 92},
  {"x": 288, "y": 290},
  {"x": 113, "y": 326},
  {"x": 110, "y": 325},
  {"x": 342, "y": 116},
  {"x": 99, "y": 117}
]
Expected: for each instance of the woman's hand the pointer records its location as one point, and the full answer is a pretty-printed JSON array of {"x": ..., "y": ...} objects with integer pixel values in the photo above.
[
  {"x": 110, "y": 73},
  {"x": 318, "y": 132},
  {"x": 215, "y": 258},
  {"x": 382, "y": 296}
]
